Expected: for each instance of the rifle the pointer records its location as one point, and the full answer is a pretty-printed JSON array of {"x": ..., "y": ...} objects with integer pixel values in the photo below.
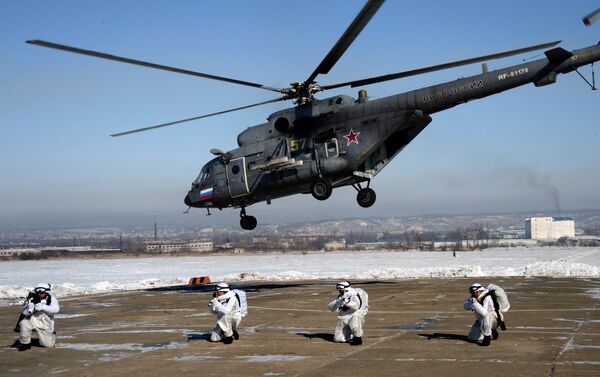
[{"x": 31, "y": 296}]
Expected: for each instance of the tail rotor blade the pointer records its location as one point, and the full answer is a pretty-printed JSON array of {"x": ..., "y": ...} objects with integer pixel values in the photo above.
[{"x": 592, "y": 17}]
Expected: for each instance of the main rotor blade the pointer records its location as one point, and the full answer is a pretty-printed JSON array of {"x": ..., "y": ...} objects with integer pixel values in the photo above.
[
  {"x": 102, "y": 55},
  {"x": 346, "y": 39},
  {"x": 198, "y": 117},
  {"x": 438, "y": 67}
]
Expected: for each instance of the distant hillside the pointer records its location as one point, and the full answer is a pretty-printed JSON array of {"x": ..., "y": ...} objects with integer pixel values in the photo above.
[
  {"x": 512, "y": 222},
  {"x": 438, "y": 223}
]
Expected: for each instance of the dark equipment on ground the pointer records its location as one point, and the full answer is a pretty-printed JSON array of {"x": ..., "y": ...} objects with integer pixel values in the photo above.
[{"x": 322, "y": 144}]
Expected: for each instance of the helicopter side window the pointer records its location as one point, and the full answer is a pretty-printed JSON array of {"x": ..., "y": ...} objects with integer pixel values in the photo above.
[{"x": 332, "y": 148}]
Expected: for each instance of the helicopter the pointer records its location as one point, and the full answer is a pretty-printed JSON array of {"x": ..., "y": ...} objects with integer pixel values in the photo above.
[{"x": 322, "y": 144}]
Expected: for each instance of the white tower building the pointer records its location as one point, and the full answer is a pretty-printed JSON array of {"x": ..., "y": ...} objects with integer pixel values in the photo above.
[{"x": 549, "y": 228}]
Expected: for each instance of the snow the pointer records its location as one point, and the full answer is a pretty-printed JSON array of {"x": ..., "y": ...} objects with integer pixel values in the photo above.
[
  {"x": 91, "y": 276},
  {"x": 271, "y": 358},
  {"x": 121, "y": 347}
]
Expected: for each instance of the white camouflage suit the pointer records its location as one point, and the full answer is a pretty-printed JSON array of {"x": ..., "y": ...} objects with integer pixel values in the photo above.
[
  {"x": 227, "y": 309},
  {"x": 487, "y": 319},
  {"x": 351, "y": 316},
  {"x": 40, "y": 317}
]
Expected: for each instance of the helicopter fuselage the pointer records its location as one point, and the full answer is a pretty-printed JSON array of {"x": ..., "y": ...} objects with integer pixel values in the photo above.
[{"x": 345, "y": 141}]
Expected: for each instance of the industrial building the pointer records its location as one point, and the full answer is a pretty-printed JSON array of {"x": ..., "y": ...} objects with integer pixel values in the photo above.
[
  {"x": 173, "y": 247},
  {"x": 549, "y": 228}
]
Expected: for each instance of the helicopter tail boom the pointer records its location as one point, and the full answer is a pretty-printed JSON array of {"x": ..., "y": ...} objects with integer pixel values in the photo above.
[{"x": 539, "y": 72}]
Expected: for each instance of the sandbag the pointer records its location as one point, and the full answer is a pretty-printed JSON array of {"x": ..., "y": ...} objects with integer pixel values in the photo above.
[
  {"x": 364, "y": 299},
  {"x": 241, "y": 297},
  {"x": 500, "y": 296}
]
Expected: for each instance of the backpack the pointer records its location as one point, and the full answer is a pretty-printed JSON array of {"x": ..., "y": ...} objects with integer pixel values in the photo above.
[
  {"x": 243, "y": 303},
  {"x": 363, "y": 297},
  {"x": 499, "y": 296}
]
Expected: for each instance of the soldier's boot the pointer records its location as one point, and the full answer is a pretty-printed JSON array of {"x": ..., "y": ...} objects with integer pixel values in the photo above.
[
  {"x": 486, "y": 341},
  {"x": 356, "y": 341},
  {"x": 24, "y": 347}
]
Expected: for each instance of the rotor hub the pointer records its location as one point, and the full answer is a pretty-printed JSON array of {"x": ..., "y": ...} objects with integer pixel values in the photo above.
[{"x": 302, "y": 92}]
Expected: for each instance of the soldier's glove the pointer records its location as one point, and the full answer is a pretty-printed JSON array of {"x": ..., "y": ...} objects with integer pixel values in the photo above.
[
  {"x": 29, "y": 309},
  {"x": 39, "y": 307}
]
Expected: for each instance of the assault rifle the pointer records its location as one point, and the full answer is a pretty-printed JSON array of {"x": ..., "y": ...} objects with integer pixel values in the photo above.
[{"x": 31, "y": 296}]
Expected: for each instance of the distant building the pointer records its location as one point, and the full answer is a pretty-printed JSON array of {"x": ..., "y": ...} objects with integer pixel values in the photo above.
[
  {"x": 19, "y": 251},
  {"x": 67, "y": 248},
  {"x": 53, "y": 251},
  {"x": 174, "y": 247},
  {"x": 379, "y": 245},
  {"x": 549, "y": 228},
  {"x": 260, "y": 239},
  {"x": 504, "y": 242},
  {"x": 335, "y": 245}
]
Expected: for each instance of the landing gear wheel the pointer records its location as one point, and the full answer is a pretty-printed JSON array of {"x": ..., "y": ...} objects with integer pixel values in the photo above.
[
  {"x": 248, "y": 222},
  {"x": 366, "y": 197},
  {"x": 321, "y": 189}
]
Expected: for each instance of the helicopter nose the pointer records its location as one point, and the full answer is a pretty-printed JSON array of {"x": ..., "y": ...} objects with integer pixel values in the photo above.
[{"x": 188, "y": 201}]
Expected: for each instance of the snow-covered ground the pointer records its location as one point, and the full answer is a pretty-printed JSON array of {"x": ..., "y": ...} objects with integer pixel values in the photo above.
[{"x": 83, "y": 276}]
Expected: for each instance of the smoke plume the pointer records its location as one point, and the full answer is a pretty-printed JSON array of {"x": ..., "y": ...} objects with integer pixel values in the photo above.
[{"x": 544, "y": 183}]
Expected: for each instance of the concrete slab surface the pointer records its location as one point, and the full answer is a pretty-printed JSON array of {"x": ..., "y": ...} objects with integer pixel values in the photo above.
[{"x": 414, "y": 328}]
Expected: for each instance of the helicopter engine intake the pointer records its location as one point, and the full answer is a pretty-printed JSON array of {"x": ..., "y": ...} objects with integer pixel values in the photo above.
[{"x": 282, "y": 124}]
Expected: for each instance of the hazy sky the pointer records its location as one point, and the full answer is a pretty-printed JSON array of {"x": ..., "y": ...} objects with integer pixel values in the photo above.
[{"x": 518, "y": 150}]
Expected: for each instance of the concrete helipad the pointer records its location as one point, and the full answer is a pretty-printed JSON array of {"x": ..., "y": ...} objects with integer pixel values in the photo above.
[{"x": 414, "y": 327}]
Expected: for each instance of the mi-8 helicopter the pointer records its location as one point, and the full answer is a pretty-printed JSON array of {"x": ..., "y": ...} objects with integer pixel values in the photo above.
[{"x": 322, "y": 144}]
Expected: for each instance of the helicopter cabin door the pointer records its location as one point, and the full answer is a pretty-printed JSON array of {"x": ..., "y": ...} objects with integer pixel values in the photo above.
[{"x": 237, "y": 178}]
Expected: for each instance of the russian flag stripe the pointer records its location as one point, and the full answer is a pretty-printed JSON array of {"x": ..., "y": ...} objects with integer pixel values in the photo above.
[{"x": 206, "y": 194}]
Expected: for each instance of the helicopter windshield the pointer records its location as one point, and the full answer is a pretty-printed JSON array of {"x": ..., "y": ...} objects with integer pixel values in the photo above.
[{"x": 205, "y": 178}]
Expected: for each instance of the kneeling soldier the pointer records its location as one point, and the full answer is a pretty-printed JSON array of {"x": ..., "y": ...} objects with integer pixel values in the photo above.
[
  {"x": 484, "y": 327},
  {"x": 227, "y": 306},
  {"x": 38, "y": 314},
  {"x": 352, "y": 307}
]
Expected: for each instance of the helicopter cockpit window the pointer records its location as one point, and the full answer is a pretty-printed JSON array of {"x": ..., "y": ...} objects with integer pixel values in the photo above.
[{"x": 206, "y": 177}]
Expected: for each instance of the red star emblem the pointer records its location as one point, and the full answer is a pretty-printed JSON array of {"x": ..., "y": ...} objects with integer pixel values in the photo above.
[{"x": 352, "y": 137}]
